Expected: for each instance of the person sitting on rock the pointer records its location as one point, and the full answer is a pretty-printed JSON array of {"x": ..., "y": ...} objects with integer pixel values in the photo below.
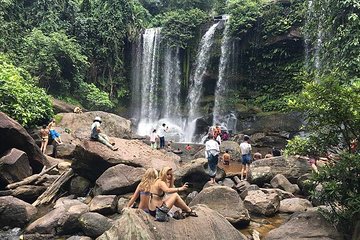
[
  {"x": 97, "y": 135},
  {"x": 78, "y": 110},
  {"x": 53, "y": 133},
  {"x": 158, "y": 192},
  {"x": 143, "y": 190},
  {"x": 44, "y": 134},
  {"x": 188, "y": 147}
]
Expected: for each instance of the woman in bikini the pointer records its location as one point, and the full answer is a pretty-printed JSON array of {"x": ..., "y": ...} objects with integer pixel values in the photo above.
[
  {"x": 44, "y": 134},
  {"x": 158, "y": 190},
  {"x": 143, "y": 190}
]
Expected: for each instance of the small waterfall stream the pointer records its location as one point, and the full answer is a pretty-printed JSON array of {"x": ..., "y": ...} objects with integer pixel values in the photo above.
[
  {"x": 222, "y": 86},
  {"x": 195, "y": 92}
]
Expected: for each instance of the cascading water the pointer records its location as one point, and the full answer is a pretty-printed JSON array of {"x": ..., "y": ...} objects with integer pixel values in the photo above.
[
  {"x": 220, "y": 108},
  {"x": 149, "y": 80},
  {"x": 156, "y": 86},
  {"x": 172, "y": 84},
  {"x": 195, "y": 92}
]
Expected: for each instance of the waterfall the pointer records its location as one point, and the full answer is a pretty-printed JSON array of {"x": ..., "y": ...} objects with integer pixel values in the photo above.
[
  {"x": 172, "y": 84},
  {"x": 222, "y": 86},
  {"x": 136, "y": 78},
  {"x": 197, "y": 78},
  {"x": 314, "y": 42},
  {"x": 149, "y": 86},
  {"x": 156, "y": 84}
]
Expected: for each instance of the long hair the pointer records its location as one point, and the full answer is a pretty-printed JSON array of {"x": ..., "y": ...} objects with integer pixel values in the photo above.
[
  {"x": 148, "y": 179},
  {"x": 163, "y": 176}
]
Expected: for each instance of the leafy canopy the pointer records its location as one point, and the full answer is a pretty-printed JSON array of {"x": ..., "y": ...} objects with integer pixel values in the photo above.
[{"x": 20, "y": 98}]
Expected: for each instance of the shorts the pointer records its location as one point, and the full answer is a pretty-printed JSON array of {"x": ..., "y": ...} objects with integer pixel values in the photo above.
[
  {"x": 54, "y": 134},
  {"x": 246, "y": 159}
]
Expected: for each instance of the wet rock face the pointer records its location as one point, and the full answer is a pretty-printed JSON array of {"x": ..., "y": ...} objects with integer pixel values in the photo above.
[
  {"x": 15, "y": 212},
  {"x": 136, "y": 224},
  {"x": 13, "y": 135},
  {"x": 305, "y": 225},
  {"x": 225, "y": 201}
]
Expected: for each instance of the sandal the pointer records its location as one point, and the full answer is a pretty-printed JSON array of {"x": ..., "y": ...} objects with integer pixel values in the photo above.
[{"x": 190, "y": 214}]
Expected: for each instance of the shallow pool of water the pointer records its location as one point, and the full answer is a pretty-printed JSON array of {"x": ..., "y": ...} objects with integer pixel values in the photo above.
[{"x": 264, "y": 224}]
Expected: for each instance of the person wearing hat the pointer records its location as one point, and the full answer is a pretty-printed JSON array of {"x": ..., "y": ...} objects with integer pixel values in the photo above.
[
  {"x": 98, "y": 136},
  {"x": 245, "y": 148}
]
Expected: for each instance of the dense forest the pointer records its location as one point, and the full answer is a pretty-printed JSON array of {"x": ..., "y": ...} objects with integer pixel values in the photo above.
[{"x": 300, "y": 55}]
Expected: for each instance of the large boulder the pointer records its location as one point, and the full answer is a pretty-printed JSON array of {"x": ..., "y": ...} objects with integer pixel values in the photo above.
[
  {"x": 258, "y": 202},
  {"x": 263, "y": 170},
  {"x": 225, "y": 201},
  {"x": 112, "y": 125},
  {"x": 13, "y": 135},
  {"x": 136, "y": 224},
  {"x": 291, "y": 205},
  {"x": 61, "y": 220},
  {"x": 14, "y": 167},
  {"x": 62, "y": 107},
  {"x": 94, "y": 224},
  {"x": 93, "y": 158},
  {"x": 305, "y": 225},
  {"x": 65, "y": 151},
  {"x": 118, "y": 180},
  {"x": 104, "y": 204},
  {"x": 197, "y": 173},
  {"x": 15, "y": 212},
  {"x": 280, "y": 181}
]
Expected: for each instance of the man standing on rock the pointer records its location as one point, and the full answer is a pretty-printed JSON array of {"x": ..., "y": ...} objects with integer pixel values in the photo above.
[
  {"x": 100, "y": 137},
  {"x": 161, "y": 135},
  {"x": 212, "y": 151},
  {"x": 245, "y": 148}
]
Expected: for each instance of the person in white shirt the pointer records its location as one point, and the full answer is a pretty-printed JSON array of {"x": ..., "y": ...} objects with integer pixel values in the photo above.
[
  {"x": 245, "y": 148},
  {"x": 212, "y": 151},
  {"x": 161, "y": 135}
]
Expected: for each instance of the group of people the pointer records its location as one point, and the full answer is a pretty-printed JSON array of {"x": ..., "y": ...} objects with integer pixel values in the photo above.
[
  {"x": 157, "y": 192},
  {"x": 155, "y": 135}
]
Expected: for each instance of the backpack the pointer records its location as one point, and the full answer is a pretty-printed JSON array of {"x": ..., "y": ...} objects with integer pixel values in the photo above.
[{"x": 162, "y": 213}]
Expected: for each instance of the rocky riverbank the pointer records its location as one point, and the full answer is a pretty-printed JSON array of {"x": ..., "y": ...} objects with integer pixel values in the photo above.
[{"x": 83, "y": 189}]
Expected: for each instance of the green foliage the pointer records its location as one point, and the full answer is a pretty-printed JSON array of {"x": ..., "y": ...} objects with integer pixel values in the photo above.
[
  {"x": 56, "y": 59},
  {"x": 331, "y": 108},
  {"x": 341, "y": 191},
  {"x": 244, "y": 14},
  {"x": 339, "y": 25},
  {"x": 312, "y": 145},
  {"x": 20, "y": 98},
  {"x": 278, "y": 19},
  {"x": 93, "y": 98},
  {"x": 180, "y": 26}
]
